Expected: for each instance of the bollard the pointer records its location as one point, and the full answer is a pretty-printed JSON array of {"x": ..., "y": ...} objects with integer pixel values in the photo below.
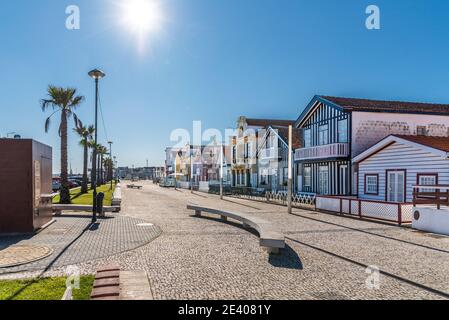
[{"x": 100, "y": 200}]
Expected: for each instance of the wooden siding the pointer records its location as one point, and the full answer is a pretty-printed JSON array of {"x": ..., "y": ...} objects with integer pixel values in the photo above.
[
  {"x": 335, "y": 180},
  {"x": 401, "y": 157},
  {"x": 278, "y": 161},
  {"x": 323, "y": 114}
]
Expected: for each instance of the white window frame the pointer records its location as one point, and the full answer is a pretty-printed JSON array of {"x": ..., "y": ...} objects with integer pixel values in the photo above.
[
  {"x": 372, "y": 187},
  {"x": 343, "y": 132},
  {"x": 307, "y": 177},
  {"x": 323, "y": 134},
  {"x": 307, "y": 138}
]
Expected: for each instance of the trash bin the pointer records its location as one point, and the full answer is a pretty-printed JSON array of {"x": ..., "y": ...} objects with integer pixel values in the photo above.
[{"x": 100, "y": 200}]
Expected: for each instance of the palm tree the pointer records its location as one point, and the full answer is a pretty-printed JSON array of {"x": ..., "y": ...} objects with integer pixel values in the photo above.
[
  {"x": 108, "y": 169},
  {"x": 102, "y": 151},
  {"x": 86, "y": 134},
  {"x": 65, "y": 101}
]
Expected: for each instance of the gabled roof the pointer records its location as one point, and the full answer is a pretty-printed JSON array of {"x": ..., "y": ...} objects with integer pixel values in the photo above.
[
  {"x": 366, "y": 105},
  {"x": 282, "y": 133},
  {"x": 439, "y": 143},
  {"x": 269, "y": 122},
  {"x": 435, "y": 145},
  {"x": 352, "y": 104}
]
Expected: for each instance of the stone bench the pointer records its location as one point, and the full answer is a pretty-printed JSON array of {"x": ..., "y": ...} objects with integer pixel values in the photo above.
[
  {"x": 132, "y": 186},
  {"x": 270, "y": 238},
  {"x": 117, "y": 196},
  {"x": 59, "y": 208}
]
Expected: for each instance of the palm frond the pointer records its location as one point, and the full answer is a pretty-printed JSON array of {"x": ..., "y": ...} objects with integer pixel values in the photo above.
[{"x": 47, "y": 124}]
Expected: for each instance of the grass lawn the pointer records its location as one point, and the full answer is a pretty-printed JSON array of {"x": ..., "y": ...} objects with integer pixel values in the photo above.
[
  {"x": 44, "y": 289},
  {"x": 86, "y": 198}
]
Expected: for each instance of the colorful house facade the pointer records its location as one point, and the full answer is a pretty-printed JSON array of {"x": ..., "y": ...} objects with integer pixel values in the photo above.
[
  {"x": 336, "y": 130},
  {"x": 272, "y": 157},
  {"x": 389, "y": 170},
  {"x": 244, "y": 147}
]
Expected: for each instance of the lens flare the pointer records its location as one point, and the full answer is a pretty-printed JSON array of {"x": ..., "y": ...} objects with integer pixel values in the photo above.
[{"x": 142, "y": 16}]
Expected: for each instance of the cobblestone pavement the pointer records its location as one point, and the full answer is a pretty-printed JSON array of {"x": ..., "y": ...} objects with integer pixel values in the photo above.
[
  {"x": 74, "y": 240},
  {"x": 326, "y": 257}
]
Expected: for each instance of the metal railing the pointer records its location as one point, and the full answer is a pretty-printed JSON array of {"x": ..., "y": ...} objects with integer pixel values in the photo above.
[
  {"x": 322, "y": 152},
  {"x": 306, "y": 201}
]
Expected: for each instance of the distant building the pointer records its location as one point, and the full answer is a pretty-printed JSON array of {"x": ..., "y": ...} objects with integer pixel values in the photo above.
[
  {"x": 244, "y": 149},
  {"x": 145, "y": 173},
  {"x": 272, "y": 157}
]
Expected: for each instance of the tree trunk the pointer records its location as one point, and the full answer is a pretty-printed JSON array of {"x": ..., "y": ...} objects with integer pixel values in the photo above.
[
  {"x": 84, "y": 187},
  {"x": 65, "y": 190}
]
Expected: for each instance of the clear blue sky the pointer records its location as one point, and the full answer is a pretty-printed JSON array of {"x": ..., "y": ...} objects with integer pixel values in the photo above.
[{"x": 213, "y": 60}]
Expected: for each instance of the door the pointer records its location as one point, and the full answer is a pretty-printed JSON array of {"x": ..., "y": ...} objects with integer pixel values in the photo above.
[
  {"x": 396, "y": 186},
  {"x": 324, "y": 180},
  {"x": 343, "y": 179}
]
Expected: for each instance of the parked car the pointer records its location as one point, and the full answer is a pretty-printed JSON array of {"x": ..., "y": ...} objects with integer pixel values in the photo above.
[
  {"x": 169, "y": 182},
  {"x": 56, "y": 184}
]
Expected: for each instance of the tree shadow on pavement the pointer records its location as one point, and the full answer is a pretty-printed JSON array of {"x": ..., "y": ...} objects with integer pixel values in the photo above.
[{"x": 287, "y": 259}]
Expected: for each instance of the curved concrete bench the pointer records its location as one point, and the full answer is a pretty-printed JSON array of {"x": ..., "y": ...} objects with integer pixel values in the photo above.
[
  {"x": 270, "y": 238},
  {"x": 58, "y": 208}
]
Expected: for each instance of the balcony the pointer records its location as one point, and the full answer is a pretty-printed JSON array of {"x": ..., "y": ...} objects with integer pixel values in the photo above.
[{"x": 336, "y": 150}]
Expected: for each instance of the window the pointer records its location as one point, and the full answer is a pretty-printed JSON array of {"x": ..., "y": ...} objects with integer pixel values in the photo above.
[
  {"x": 307, "y": 177},
  {"x": 234, "y": 154},
  {"x": 427, "y": 180},
  {"x": 324, "y": 180},
  {"x": 372, "y": 184},
  {"x": 246, "y": 155},
  {"x": 421, "y": 131},
  {"x": 307, "y": 138},
  {"x": 343, "y": 131},
  {"x": 323, "y": 135},
  {"x": 285, "y": 177}
]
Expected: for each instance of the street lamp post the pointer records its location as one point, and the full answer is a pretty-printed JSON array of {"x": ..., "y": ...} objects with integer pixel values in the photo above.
[
  {"x": 191, "y": 169},
  {"x": 96, "y": 75},
  {"x": 290, "y": 169},
  {"x": 112, "y": 162},
  {"x": 221, "y": 171}
]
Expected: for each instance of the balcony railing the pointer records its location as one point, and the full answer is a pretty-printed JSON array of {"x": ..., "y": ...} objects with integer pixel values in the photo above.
[{"x": 336, "y": 150}]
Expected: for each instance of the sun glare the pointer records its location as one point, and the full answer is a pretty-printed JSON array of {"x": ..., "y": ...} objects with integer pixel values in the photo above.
[{"x": 142, "y": 16}]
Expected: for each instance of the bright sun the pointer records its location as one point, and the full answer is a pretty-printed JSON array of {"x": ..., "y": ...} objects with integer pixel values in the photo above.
[{"x": 142, "y": 16}]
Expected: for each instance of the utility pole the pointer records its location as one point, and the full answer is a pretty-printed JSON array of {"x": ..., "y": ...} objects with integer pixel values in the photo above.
[
  {"x": 290, "y": 171},
  {"x": 221, "y": 171},
  {"x": 191, "y": 169},
  {"x": 111, "y": 163}
]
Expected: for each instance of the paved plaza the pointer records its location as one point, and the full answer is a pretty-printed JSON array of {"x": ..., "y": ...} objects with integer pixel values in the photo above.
[{"x": 196, "y": 258}]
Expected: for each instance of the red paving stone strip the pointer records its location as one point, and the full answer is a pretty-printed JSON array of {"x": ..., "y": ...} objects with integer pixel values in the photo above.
[
  {"x": 105, "y": 292},
  {"x": 107, "y": 284},
  {"x": 108, "y": 275}
]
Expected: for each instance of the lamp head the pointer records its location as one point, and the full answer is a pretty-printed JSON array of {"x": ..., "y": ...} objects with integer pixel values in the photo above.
[{"x": 97, "y": 74}]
